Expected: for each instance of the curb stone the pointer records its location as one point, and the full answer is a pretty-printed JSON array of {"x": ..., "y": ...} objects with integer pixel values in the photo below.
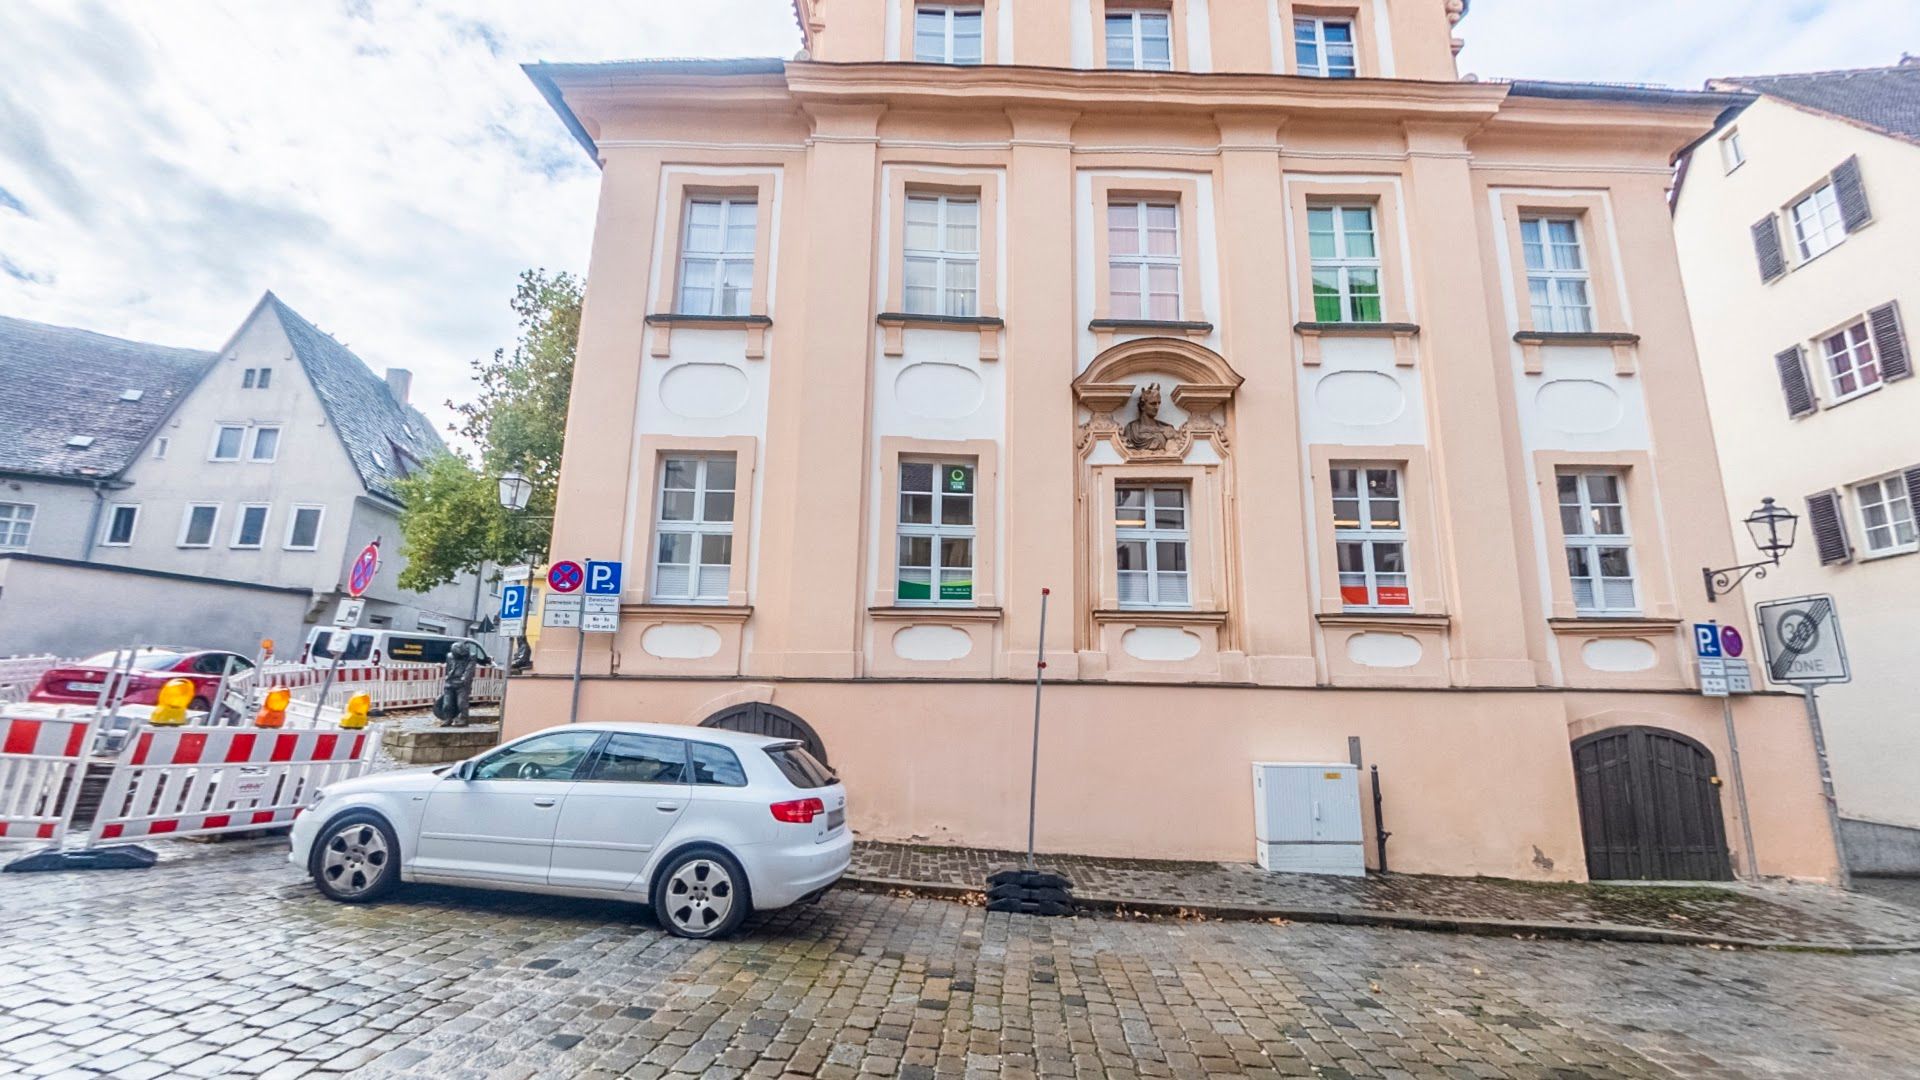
[{"x": 1397, "y": 920}]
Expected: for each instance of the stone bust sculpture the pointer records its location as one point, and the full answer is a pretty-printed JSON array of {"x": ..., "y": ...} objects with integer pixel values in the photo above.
[{"x": 1147, "y": 431}]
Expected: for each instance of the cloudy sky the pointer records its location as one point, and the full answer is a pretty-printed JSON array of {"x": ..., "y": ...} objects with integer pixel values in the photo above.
[{"x": 384, "y": 166}]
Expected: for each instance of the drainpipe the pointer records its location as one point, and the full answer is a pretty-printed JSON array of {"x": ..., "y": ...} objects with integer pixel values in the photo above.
[{"x": 93, "y": 521}]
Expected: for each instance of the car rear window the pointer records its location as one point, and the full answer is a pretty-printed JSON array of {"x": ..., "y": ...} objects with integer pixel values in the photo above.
[
  {"x": 716, "y": 765},
  {"x": 801, "y": 768}
]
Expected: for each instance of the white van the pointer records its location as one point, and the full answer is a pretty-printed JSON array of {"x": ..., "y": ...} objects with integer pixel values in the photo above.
[{"x": 385, "y": 646}]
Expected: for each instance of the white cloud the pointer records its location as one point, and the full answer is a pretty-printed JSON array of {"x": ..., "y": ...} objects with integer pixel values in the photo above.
[{"x": 387, "y": 169}]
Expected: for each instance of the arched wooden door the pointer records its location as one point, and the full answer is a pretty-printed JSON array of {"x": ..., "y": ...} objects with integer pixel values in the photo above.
[
  {"x": 756, "y": 718},
  {"x": 1650, "y": 807}
]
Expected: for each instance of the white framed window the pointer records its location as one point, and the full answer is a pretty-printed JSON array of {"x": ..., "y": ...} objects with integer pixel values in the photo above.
[
  {"x": 1324, "y": 48},
  {"x": 1593, "y": 518},
  {"x": 1150, "y": 529},
  {"x": 303, "y": 527},
  {"x": 266, "y": 444},
  {"x": 1732, "y": 153},
  {"x": 246, "y": 379},
  {"x": 1886, "y": 515},
  {"x": 1370, "y": 538},
  {"x": 198, "y": 523},
  {"x": 693, "y": 529},
  {"x": 1143, "y": 260},
  {"x": 122, "y": 520},
  {"x": 716, "y": 256},
  {"x": 935, "y": 533},
  {"x": 227, "y": 441},
  {"x": 1139, "y": 39},
  {"x": 250, "y": 527},
  {"x": 16, "y": 525},
  {"x": 265, "y": 380},
  {"x": 1345, "y": 252},
  {"x": 947, "y": 33},
  {"x": 160, "y": 447},
  {"x": 430, "y": 626},
  {"x": 1817, "y": 224},
  {"x": 941, "y": 269},
  {"x": 1852, "y": 369},
  {"x": 1557, "y": 274}
]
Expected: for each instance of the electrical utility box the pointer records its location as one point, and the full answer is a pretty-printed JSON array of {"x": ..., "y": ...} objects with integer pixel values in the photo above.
[{"x": 1306, "y": 818}]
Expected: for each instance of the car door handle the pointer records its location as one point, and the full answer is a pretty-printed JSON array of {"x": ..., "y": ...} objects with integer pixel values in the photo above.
[
  {"x": 543, "y": 802},
  {"x": 666, "y": 807}
]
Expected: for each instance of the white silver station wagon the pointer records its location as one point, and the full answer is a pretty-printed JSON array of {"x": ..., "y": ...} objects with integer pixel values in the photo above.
[{"x": 704, "y": 825}]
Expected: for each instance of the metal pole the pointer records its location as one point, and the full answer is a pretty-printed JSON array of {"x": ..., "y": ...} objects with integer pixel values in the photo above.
[
  {"x": 220, "y": 693},
  {"x": 1740, "y": 789},
  {"x": 1033, "y": 775},
  {"x": 327, "y": 684},
  {"x": 579, "y": 653},
  {"x": 1826, "y": 785}
]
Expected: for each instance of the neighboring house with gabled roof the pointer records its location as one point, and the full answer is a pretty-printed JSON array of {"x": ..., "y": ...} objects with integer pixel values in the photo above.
[
  {"x": 1797, "y": 221},
  {"x": 248, "y": 478}
]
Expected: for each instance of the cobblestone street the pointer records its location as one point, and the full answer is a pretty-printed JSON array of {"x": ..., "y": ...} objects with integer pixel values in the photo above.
[{"x": 222, "y": 960}]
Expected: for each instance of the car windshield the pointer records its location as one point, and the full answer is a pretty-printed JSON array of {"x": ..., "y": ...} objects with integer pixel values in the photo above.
[
  {"x": 802, "y": 769},
  {"x": 145, "y": 659}
]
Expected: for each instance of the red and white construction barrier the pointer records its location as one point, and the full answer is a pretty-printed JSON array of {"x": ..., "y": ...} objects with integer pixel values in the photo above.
[
  {"x": 204, "y": 781},
  {"x": 391, "y": 686},
  {"x": 41, "y": 762}
]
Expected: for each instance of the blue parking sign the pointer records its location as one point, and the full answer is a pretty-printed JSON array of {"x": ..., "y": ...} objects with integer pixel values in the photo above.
[
  {"x": 1706, "y": 640},
  {"x": 513, "y": 602},
  {"x": 603, "y": 578}
]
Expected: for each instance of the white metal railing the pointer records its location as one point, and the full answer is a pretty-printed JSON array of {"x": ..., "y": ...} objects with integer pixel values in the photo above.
[{"x": 20, "y": 674}]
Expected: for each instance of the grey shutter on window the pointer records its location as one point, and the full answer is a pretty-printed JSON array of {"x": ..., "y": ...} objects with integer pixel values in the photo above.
[
  {"x": 1889, "y": 343},
  {"x": 1912, "y": 477},
  {"x": 1851, "y": 191},
  {"x": 1792, "y": 364},
  {"x": 1766, "y": 246},
  {"x": 1829, "y": 531}
]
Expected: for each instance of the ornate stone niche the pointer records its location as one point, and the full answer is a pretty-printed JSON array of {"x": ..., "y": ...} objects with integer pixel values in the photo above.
[{"x": 1199, "y": 381}]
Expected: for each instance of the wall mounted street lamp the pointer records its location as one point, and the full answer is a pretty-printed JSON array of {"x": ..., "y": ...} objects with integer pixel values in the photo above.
[
  {"x": 1772, "y": 530},
  {"x": 515, "y": 490}
]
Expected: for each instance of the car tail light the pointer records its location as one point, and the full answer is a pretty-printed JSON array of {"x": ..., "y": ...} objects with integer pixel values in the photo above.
[{"x": 798, "y": 811}]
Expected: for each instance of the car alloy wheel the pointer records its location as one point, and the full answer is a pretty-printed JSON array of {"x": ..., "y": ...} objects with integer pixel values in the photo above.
[
  {"x": 699, "y": 896},
  {"x": 355, "y": 861}
]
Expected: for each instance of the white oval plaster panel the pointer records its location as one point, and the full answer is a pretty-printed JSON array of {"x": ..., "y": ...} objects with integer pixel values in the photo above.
[
  {"x": 681, "y": 641},
  {"x": 1619, "y": 654},
  {"x": 1163, "y": 643},
  {"x": 932, "y": 644},
  {"x": 1383, "y": 650},
  {"x": 939, "y": 391},
  {"x": 1579, "y": 406},
  {"x": 1360, "y": 398},
  {"x": 704, "y": 391}
]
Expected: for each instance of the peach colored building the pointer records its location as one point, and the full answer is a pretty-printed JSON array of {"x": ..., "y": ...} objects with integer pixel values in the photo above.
[{"x": 1322, "y": 390}]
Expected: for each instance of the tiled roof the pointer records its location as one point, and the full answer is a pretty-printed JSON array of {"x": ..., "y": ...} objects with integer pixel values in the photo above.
[
  {"x": 379, "y": 433},
  {"x": 1886, "y": 100},
  {"x": 65, "y": 384}
]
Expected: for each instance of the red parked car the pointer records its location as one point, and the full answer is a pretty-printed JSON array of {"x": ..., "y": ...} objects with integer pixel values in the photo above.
[{"x": 79, "y": 683}]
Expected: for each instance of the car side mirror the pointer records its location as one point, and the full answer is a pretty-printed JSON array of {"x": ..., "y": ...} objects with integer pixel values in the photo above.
[{"x": 464, "y": 770}]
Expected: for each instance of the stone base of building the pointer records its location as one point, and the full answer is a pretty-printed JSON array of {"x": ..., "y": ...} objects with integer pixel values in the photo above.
[
  {"x": 1875, "y": 847},
  {"x": 1473, "y": 782}
]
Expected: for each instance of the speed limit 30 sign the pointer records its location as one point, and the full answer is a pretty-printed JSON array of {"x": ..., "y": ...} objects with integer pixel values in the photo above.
[{"x": 1802, "y": 642}]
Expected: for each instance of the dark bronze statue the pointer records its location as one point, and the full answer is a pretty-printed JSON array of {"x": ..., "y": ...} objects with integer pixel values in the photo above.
[{"x": 456, "y": 697}]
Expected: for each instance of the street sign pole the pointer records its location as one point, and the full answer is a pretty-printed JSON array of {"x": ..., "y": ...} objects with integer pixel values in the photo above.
[
  {"x": 579, "y": 654},
  {"x": 1826, "y": 784},
  {"x": 1740, "y": 789},
  {"x": 1039, "y": 683}
]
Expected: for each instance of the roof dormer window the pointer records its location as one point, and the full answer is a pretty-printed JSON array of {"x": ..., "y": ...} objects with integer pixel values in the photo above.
[
  {"x": 1140, "y": 39},
  {"x": 947, "y": 33},
  {"x": 1323, "y": 47}
]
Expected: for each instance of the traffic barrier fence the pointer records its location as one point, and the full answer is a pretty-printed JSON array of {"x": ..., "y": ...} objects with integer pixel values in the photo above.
[{"x": 42, "y": 760}]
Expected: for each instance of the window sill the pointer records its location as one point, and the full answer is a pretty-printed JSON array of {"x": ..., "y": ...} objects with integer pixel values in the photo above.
[
  {"x": 664, "y": 323},
  {"x": 1383, "y": 620},
  {"x": 897, "y": 323},
  {"x": 934, "y": 613},
  {"x": 1623, "y": 344},
  {"x": 1105, "y": 330},
  {"x": 1855, "y": 396},
  {"x": 1401, "y": 333},
  {"x": 1159, "y": 616},
  {"x": 1612, "y": 625},
  {"x": 1890, "y": 553},
  {"x": 676, "y": 612}
]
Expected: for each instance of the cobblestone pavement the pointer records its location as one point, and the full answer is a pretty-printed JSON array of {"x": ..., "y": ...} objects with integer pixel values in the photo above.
[
  {"x": 1792, "y": 914},
  {"x": 223, "y": 961}
]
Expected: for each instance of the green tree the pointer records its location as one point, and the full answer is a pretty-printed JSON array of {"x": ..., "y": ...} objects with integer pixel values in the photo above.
[{"x": 452, "y": 521}]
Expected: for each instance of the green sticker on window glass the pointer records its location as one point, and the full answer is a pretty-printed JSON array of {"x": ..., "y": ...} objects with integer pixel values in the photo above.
[
  {"x": 956, "y": 590},
  {"x": 959, "y": 480},
  {"x": 914, "y": 590}
]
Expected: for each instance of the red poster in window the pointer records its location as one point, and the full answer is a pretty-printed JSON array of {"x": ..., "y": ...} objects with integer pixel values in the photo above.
[
  {"x": 1395, "y": 596},
  {"x": 1354, "y": 594}
]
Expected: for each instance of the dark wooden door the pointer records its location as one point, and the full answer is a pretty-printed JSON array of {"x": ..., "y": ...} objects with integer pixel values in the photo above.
[
  {"x": 1650, "y": 807},
  {"x": 756, "y": 718}
]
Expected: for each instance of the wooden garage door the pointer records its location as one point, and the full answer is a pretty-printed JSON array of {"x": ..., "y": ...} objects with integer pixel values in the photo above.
[{"x": 1649, "y": 807}]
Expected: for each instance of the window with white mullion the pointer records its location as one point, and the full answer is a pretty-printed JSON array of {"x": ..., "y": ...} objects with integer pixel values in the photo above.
[
  {"x": 1370, "y": 536},
  {"x": 1143, "y": 260},
  {"x": 1324, "y": 48},
  {"x": 1886, "y": 515},
  {"x": 1852, "y": 369},
  {"x": 1140, "y": 40},
  {"x": 1345, "y": 253},
  {"x": 1593, "y": 518},
  {"x": 16, "y": 525},
  {"x": 1557, "y": 281},
  {"x": 1150, "y": 531},
  {"x": 716, "y": 257},
  {"x": 941, "y": 273},
  {"x": 936, "y": 533},
  {"x": 1817, "y": 223},
  {"x": 693, "y": 529},
  {"x": 947, "y": 34}
]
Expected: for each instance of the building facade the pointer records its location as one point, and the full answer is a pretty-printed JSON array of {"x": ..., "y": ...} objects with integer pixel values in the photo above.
[
  {"x": 1316, "y": 391},
  {"x": 238, "y": 486},
  {"x": 1797, "y": 224}
]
